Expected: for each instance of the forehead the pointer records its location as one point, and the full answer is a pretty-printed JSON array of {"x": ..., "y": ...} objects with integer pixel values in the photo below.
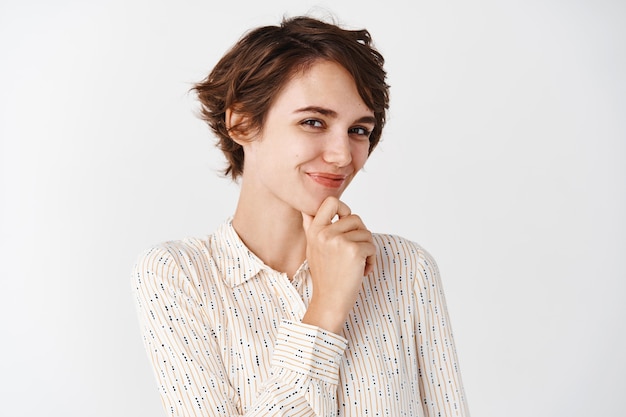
[{"x": 324, "y": 84}]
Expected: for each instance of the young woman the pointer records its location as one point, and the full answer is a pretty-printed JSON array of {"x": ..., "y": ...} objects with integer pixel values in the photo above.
[{"x": 293, "y": 307}]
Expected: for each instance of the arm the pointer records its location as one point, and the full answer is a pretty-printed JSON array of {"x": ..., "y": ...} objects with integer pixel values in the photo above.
[
  {"x": 440, "y": 379},
  {"x": 183, "y": 348}
]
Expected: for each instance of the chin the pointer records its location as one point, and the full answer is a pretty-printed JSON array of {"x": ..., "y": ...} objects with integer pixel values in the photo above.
[{"x": 311, "y": 207}]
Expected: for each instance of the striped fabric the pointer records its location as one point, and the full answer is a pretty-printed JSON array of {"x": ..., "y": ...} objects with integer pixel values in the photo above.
[{"x": 223, "y": 332}]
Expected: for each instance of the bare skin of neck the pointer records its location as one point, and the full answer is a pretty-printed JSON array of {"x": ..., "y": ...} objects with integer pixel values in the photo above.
[{"x": 274, "y": 234}]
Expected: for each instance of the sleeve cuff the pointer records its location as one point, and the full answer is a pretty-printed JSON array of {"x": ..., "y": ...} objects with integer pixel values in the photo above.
[{"x": 309, "y": 350}]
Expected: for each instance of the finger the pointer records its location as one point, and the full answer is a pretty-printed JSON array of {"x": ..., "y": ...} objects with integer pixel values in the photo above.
[
  {"x": 330, "y": 207},
  {"x": 369, "y": 264},
  {"x": 306, "y": 221},
  {"x": 358, "y": 235},
  {"x": 343, "y": 210},
  {"x": 368, "y": 251},
  {"x": 351, "y": 222}
]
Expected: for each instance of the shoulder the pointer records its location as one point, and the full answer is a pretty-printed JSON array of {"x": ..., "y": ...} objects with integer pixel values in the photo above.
[
  {"x": 175, "y": 254},
  {"x": 404, "y": 257},
  {"x": 394, "y": 248},
  {"x": 177, "y": 264}
]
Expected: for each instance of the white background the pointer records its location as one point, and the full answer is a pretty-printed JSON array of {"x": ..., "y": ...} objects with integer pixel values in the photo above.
[{"x": 504, "y": 156}]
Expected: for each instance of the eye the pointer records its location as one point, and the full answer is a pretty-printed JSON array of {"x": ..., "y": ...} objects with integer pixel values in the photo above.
[
  {"x": 360, "y": 131},
  {"x": 315, "y": 123}
]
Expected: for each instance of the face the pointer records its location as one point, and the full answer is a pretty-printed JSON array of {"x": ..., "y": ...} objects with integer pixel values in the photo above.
[{"x": 314, "y": 141}]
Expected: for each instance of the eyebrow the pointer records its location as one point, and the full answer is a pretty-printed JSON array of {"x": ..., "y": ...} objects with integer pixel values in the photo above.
[{"x": 333, "y": 114}]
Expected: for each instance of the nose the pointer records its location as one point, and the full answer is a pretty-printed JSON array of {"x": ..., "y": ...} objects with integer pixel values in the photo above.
[{"x": 337, "y": 150}]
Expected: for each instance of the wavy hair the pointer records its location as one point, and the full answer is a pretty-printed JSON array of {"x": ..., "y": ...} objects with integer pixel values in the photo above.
[{"x": 251, "y": 74}]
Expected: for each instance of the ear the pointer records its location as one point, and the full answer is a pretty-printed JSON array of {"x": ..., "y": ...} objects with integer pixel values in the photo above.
[{"x": 237, "y": 124}]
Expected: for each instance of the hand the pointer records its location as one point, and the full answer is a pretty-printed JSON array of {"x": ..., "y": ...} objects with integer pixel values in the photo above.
[{"x": 339, "y": 254}]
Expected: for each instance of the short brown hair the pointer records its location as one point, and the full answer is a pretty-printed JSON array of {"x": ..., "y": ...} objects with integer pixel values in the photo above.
[{"x": 252, "y": 73}]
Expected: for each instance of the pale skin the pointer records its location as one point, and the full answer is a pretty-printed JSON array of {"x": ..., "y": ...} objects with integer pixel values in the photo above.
[{"x": 315, "y": 139}]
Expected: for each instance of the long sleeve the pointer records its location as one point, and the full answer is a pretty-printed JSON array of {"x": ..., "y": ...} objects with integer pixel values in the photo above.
[
  {"x": 440, "y": 381},
  {"x": 181, "y": 339}
]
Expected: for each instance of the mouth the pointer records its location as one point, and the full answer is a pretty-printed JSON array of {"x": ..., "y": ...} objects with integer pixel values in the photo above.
[{"x": 328, "y": 180}]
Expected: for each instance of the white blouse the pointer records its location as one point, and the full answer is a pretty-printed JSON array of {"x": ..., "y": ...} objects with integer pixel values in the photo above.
[{"x": 223, "y": 332}]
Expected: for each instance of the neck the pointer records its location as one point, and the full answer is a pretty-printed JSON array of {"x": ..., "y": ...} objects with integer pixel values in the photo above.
[{"x": 274, "y": 234}]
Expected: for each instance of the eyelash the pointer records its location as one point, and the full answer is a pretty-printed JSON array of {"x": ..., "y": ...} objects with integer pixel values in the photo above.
[
  {"x": 353, "y": 130},
  {"x": 366, "y": 133},
  {"x": 311, "y": 122}
]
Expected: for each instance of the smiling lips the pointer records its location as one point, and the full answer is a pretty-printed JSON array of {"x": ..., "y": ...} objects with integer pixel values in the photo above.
[{"x": 327, "y": 180}]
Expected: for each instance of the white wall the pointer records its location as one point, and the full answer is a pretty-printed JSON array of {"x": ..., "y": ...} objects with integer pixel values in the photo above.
[{"x": 504, "y": 156}]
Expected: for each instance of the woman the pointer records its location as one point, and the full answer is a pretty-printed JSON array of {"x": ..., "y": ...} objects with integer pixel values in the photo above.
[{"x": 293, "y": 307}]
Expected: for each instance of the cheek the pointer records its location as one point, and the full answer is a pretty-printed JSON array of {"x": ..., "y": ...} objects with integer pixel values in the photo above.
[
  {"x": 303, "y": 150},
  {"x": 359, "y": 155}
]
